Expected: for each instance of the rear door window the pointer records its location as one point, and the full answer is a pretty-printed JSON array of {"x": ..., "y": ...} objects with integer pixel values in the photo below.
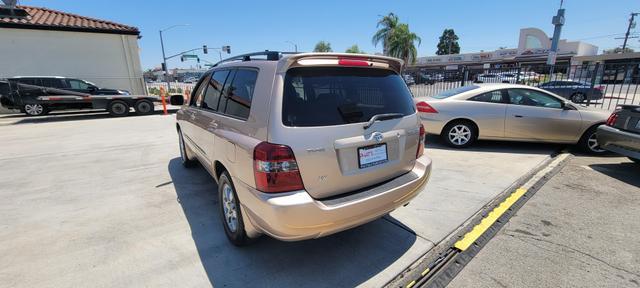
[
  {"x": 240, "y": 93},
  {"x": 214, "y": 90},
  {"x": 326, "y": 96}
]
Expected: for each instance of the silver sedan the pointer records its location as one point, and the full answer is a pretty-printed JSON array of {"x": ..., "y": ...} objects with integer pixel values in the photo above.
[{"x": 509, "y": 112}]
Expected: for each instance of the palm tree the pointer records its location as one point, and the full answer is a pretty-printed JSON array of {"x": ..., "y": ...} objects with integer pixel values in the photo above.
[
  {"x": 402, "y": 44},
  {"x": 388, "y": 24},
  {"x": 323, "y": 46}
]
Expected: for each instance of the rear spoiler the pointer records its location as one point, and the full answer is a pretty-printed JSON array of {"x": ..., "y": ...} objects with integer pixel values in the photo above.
[{"x": 340, "y": 59}]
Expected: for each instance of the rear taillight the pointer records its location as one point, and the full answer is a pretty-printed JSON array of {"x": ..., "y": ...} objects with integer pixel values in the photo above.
[
  {"x": 421, "y": 142},
  {"x": 612, "y": 119},
  {"x": 600, "y": 88},
  {"x": 275, "y": 168},
  {"x": 425, "y": 107}
]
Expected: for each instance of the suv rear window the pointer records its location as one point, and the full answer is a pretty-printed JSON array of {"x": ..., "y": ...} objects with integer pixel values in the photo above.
[{"x": 325, "y": 96}]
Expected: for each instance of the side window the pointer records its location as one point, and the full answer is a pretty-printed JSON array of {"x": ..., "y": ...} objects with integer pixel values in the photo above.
[
  {"x": 198, "y": 92},
  {"x": 490, "y": 97},
  {"x": 241, "y": 92},
  {"x": 52, "y": 82},
  {"x": 28, "y": 81},
  {"x": 529, "y": 97},
  {"x": 214, "y": 89},
  {"x": 225, "y": 91},
  {"x": 77, "y": 84}
]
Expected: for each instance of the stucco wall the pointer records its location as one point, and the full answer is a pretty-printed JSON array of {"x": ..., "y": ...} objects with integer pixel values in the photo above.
[{"x": 108, "y": 60}]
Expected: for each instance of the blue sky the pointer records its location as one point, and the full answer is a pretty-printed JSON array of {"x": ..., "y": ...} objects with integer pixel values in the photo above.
[{"x": 250, "y": 26}]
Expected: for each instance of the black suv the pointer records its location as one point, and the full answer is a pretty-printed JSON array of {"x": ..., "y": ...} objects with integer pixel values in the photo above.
[{"x": 70, "y": 84}]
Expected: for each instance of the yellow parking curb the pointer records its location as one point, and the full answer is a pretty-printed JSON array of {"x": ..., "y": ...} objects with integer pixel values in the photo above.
[{"x": 491, "y": 218}]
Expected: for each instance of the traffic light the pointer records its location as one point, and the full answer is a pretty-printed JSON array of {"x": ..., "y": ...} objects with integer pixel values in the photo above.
[
  {"x": 164, "y": 67},
  {"x": 182, "y": 58},
  {"x": 205, "y": 50},
  {"x": 227, "y": 49}
]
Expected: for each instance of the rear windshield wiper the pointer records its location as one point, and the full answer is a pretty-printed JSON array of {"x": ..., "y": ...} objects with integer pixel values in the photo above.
[{"x": 380, "y": 117}]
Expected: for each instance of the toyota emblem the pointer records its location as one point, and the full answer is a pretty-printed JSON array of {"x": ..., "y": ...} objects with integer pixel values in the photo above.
[{"x": 377, "y": 136}]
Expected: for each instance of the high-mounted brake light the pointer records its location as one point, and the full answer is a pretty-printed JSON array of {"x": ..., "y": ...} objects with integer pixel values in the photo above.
[
  {"x": 421, "y": 142},
  {"x": 352, "y": 62},
  {"x": 275, "y": 168},
  {"x": 425, "y": 107}
]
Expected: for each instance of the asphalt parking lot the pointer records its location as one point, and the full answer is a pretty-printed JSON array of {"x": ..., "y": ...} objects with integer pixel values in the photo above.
[
  {"x": 579, "y": 230},
  {"x": 93, "y": 199}
]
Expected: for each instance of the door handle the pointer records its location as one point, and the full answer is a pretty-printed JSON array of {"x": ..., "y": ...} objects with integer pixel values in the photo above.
[{"x": 517, "y": 116}]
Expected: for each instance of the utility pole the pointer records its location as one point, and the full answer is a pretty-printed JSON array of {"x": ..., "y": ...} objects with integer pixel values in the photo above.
[{"x": 626, "y": 35}]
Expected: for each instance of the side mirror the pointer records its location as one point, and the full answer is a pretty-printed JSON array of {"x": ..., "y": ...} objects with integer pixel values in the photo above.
[{"x": 177, "y": 100}]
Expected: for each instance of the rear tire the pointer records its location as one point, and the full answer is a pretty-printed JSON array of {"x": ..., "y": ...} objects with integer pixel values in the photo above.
[
  {"x": 459, "y": 134},
  {"x": 143, "y": 107},
  {"x": 118, "y": 108},
  {"x": 230, "y": 211},
  {"x": 35, "y": 109},
  {"x": 577, "y": 97},
  {"x": 589, "y": 142}
]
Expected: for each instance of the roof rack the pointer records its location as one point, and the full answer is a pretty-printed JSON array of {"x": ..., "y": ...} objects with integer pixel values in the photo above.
[{"x": 271, "y": 56}]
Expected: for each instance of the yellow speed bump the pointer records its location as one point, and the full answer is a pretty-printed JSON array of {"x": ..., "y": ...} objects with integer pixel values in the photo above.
[{"x": 493, "y": 216}]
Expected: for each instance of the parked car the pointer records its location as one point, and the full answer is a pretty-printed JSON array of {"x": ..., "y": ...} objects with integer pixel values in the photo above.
[
  {"x": 191, "y": 80},
  {"x": 509, "y": 112},
  {"x": 304, "y": 145},
  {"x": 496, "y": 78},
  {"x": 37, "y": 96},
  {"x": 576, "y": 91},
  {"x": 622, "y": 132},
  {"x": 408, "y": 79},
  {"x": 428, "y": 78}
]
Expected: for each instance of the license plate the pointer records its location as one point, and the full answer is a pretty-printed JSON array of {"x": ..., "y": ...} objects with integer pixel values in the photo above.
[{"x": 372, "y": 155}]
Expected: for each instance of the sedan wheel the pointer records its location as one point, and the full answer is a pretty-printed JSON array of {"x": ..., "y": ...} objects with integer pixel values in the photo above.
[
  {"x": 589, "y": 142},
  {"x": 34, "y": 109},
  {"x": 577, "y": 98},
  {"x": 459, "y": 134}
]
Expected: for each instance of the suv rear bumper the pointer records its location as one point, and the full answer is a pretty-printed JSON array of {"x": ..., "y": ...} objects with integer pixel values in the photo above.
[
  {"x": 621, "y": 142},
  {"x": 296, "y": 215}
]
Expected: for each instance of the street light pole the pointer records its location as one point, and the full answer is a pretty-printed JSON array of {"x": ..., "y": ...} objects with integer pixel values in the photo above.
[
  {"x": 164, "y": 61},
  {"x": 164, "y": 58}
]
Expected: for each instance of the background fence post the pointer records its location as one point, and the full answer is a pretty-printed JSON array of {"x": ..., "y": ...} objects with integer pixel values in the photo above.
[
  {"x": 594, "y": 77},
  {"x": 465, "y": 73}
]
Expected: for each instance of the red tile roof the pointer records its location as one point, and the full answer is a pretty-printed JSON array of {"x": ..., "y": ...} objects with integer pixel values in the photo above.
[{"x": 49, "y": 19}]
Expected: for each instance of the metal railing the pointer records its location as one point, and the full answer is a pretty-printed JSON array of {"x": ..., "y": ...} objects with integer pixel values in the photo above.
[{"x": 599, "y": 85}]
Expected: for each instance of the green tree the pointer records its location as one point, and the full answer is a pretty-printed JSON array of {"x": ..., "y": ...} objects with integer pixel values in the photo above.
[
  {"x": 618, "y": 50},
  {"x": 448, "y": 43},
  {"x": 388, "y": 24},
  {"x": 402, "y": 44},
  {"x": 323, "y": 46},
  {"x": 354, "y": 49}
]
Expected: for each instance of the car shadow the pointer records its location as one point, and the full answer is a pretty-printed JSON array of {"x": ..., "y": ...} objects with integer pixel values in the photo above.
[
  {"x": 344, "y": 259},
  {"x": 435, "y": 142},
  {"x": 626, "y": 172},
  {"x": 69, "y": 116}
]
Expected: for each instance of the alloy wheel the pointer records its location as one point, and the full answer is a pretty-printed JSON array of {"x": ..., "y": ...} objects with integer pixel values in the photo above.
[
  {"x": 593, "y": 145},
  {"x": 230, "y": 208},
  {"x": 33, "y": 109},
  {"x": 459, "y": 134},
  {"x": 577, "y": 98}
]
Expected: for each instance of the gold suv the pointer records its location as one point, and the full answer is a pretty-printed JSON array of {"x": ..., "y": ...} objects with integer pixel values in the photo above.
[{"x": 304, "y": 145}]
